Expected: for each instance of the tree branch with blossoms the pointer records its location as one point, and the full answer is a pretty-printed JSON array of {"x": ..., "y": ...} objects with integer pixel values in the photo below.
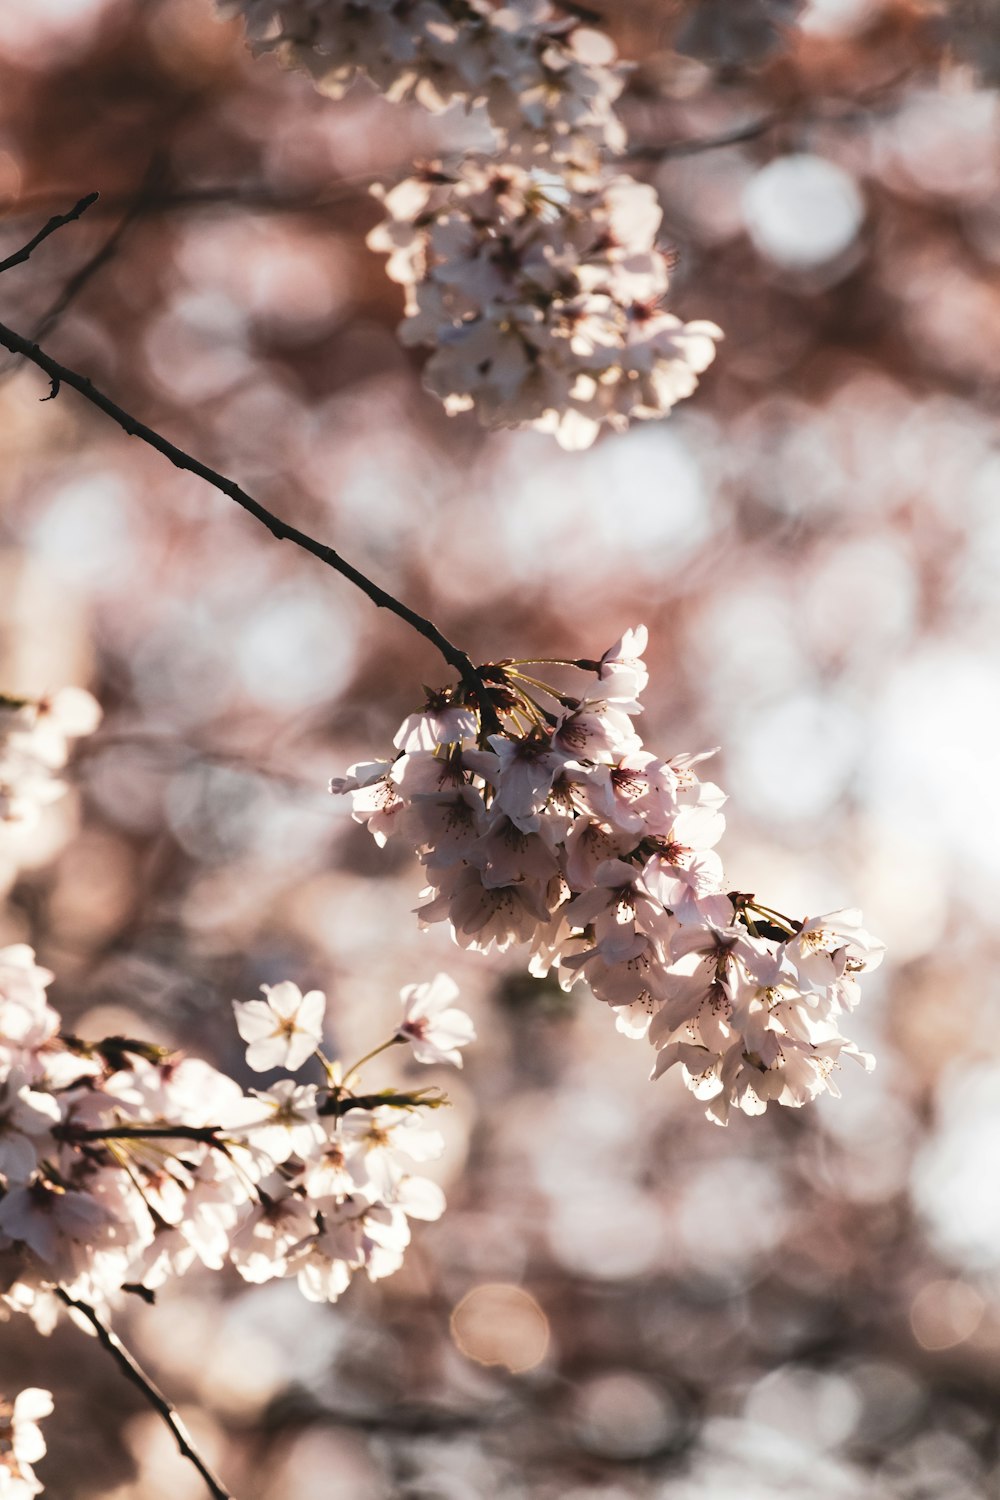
[
  {"x": 122, "y": 1165},
  {"x": 60, "y": 375},
  {"x": 541, "y": 820},
  {"x": 532, "y": 272},
  {"x": 567, "y": 836},
  {"x": 134, "y": 1372}
]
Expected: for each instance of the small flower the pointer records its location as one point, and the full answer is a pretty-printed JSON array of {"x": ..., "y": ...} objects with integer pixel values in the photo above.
[
  {"x": 289, "y": 1125},
  {"x": 21, "y": 1442},
  {"x": 25, "y": 1115},
  {"x": 434, "y": 1029},
  {"x": 284, "y": 1030}
]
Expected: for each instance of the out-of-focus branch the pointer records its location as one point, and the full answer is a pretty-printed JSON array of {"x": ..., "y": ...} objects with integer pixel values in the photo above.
[
  {"x": 133, "y": 1371},
  {"x": 60, "y": 375},
  {"x": 135, "y": 207},
  {"x": 751, "y": 131},
  {"x": 238, "y": 194},
  {"x": 134, "y": 210},
  {"x": 584, "y": 13},
  {"x": 56, "y": 222}
]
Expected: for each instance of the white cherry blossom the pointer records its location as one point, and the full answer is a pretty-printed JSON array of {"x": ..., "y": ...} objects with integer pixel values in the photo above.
[
  {"x": 34, "y": 745},
  {"x": 548, "y": 86},
  {"x": 21, "y": 1442},
  {"x": 599, "y": 856},
  {"x": 434, "y": 1028},
  {"x": 542, "y": 300},
  {"x": 26, "y": 1120},
  {"x": 283, "y": 1030},
  {"x": 289, "y": 1123}
]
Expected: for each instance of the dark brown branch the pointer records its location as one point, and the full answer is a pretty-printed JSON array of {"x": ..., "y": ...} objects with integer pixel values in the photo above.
[
  {"x": 56, "y": 222},
  {"x": 136, "y": 207},
  {"x": 751, "y": 131},
  {"x": 246, "y": 195},
  {"x": 344, "y": 1103},
  {"x": 216, "y": 1135},
  {"x": 133, "y": 1371},
  {"x": 582, "y": 12},
  {"x": 60, "y": 375},
  {"x": 208, "y": 1135}
]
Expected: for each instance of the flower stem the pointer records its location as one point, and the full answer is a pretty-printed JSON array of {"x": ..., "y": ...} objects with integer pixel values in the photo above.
[{"x": 383, "y": 1047}]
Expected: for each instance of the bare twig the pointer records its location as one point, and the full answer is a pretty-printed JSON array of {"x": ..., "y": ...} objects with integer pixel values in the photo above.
[
  {"x": 751, "y": 131},
  {"x": 56, "y": 222},
  {"x": 583, "y": 12},
  {"x": 133, "y": 1371},
  {"x": 60, "y": 375},
  {"x": 247, "y": 195},
  {"x": 135, "y": 209}
]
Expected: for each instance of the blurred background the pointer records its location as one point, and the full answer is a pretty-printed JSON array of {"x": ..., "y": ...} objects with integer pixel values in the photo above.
[{"x": 623, "y": 1302}]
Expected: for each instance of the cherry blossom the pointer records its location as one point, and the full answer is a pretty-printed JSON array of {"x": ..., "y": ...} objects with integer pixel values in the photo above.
[
  {"x": 34, "y": 745},
  {"x": 26, "y": 1119},
  {"x": 434, "y": 1028},
  {"x": 21, "y": 1442},
  {"x": 572, "y": 839},
  {"x": 533, "y": 271},
  {"x": 284, "y": 1030},
  {"x": 122, "y": 1164},
  {"x": 542, "y": 299},
  {"x": 548, "y": 86}
]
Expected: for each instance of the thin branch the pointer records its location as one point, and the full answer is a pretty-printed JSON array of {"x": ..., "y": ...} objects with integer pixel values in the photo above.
[
  {"x": 60, "y": 375},
  {"x": 208, "y": 1135},
  {"x": 216, "y": 1135},
  {"x": 228, "y": 194},
  {"x": 56, "y": 222},
  {"x": 133, "y": 1371},
  {"x": 343, "y": 1104},
  {"x": 751, "y": 131},
  {"x": 136, "y": 207},
  {"x": 583, "y": 13}
]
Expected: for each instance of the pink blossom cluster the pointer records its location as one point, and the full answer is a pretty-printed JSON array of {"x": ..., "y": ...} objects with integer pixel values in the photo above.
[
  {"x": 21, "y": 1442},
  {"x": 122, "y": 1165},
  {"x": 34, "y": 745},
  {"x": 533, "y": 274},
  {"x": 563, "y": 833},
  {"x": 548, "y": 85},
  {"x": 541, "y": 296}
]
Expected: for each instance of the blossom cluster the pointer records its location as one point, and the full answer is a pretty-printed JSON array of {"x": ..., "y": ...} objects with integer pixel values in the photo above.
[
  {"x": 542, "y": 299},
  {"x": 21, "y": 1442},
  {"x": 562, "y": 832},
  {"x": 122, "y": 1165},
  {"x": 533, "y": 274},
  {"x": 548, "y": 86},
  {"x": 34, "y": 745}
]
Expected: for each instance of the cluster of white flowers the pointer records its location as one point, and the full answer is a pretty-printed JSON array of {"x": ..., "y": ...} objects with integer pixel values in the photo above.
[
  {"x": 21, "y": 1442},
  {"x": 34, "y": 745},
  {"x": 533, "y": 274},
  {"x": 564, "y": 833},
  {"x": 121, "y": 1165},
  {"x": 542, "y": 300},
  {"x": 548, "y": 86}
]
